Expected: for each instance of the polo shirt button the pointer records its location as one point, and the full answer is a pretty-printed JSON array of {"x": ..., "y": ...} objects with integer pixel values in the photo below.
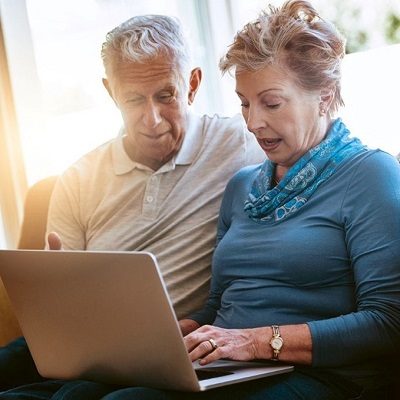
[{"x": 149, "y": 199}]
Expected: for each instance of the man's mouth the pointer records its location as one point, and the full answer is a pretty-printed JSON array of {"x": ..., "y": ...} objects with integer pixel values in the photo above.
[{"x": 154, "y": 136}]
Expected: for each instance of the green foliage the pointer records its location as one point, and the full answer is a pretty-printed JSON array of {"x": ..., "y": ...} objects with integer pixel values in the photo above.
[
  {"x": 392, "y": 27},
  {"x": 364, "y": 23}
]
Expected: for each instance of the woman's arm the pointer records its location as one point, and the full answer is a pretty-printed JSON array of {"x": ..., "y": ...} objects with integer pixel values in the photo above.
[
  {"x": 371, "y": 220},
  {"x": 249, "y": 344}
]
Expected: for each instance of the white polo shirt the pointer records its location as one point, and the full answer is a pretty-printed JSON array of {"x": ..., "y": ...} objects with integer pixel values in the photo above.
[{"x": 106, "y": 201}]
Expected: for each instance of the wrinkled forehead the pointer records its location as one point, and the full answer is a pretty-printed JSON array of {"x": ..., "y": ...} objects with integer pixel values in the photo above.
[
  {"x": 147, "y": 72},
  {"x": 270, "y": 76}
]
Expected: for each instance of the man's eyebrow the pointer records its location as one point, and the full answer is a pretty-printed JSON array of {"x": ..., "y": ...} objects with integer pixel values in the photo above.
[
  {"x": 131, "y": 93},
  {"x": 169, "y": 86}
]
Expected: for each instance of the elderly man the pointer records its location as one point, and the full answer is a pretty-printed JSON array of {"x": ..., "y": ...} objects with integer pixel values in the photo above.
[{"x": 156, "y": 187}]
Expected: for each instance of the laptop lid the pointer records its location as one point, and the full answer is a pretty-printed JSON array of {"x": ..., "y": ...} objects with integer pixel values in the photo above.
[{"x": 105, "y": 316}]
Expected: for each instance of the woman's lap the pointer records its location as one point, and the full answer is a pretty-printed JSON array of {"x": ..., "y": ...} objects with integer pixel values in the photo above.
[{"x": 294, "y": 386}]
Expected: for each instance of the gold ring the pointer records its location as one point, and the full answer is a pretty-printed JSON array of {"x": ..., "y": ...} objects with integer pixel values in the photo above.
[{"x": 213, "y": 344}]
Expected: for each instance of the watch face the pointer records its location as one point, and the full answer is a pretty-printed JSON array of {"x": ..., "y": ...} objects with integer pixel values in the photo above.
[{"x": 277, "y": 343}]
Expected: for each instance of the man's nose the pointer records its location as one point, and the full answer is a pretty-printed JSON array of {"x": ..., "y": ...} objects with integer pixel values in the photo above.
[{"x": 151, "y": 115}]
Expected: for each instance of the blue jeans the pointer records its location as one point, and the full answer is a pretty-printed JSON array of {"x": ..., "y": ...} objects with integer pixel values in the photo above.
[
  {"x": 19, "y": 380},
  {"x": 292, "y": 386},
  {"x": 17, "y": 366}
]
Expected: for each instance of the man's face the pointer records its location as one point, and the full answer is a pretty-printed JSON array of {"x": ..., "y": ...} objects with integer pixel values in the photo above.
[{"x": 154, "y": 105}]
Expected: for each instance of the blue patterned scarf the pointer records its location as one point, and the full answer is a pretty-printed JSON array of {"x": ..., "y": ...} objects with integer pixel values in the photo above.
[{"x": 302, "y": 179}]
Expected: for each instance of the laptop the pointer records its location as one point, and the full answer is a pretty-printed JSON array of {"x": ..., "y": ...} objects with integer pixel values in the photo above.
[{"x": 106, "y": 316}]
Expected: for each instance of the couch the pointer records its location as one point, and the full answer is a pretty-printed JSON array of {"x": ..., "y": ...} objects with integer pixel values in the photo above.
[{"x": 32, "y": 236}]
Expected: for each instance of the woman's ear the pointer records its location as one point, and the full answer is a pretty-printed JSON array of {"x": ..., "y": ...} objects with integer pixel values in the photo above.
[
  {"x": 325, "y": 100},
  {"x": 194, "y": 84}
]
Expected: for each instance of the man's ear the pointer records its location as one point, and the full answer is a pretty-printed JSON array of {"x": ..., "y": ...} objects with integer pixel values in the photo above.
[
  {"x": 107, "y": 85},
  {"x": 194, "y": 84}
]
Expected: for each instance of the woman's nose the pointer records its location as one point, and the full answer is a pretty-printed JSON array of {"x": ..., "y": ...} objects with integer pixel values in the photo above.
[{"x": 255, "y": 121}]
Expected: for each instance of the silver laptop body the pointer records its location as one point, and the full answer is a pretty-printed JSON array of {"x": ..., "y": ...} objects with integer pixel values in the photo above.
[{"x": 106, "y": 316}]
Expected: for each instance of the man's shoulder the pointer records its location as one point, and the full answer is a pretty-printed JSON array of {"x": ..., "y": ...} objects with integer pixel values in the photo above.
[
  {"x": 100, "y": 151},
  {"x": 96, "y": 158},
  {"x": 228, "y": 137},
  {"x": 224, "y": 125}
]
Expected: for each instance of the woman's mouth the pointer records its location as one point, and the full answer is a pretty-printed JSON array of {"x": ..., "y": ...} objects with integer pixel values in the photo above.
[{"x": 269, "y": 144}]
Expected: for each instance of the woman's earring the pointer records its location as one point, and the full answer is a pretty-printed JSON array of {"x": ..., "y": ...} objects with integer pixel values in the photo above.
[{"x": 322, "y": 110}]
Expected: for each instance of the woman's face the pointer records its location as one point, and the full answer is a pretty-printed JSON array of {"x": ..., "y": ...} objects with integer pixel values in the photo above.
[{"x": 284, "y": 117}]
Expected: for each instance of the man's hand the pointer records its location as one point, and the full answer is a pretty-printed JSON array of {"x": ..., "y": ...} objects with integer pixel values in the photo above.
[
  {"x": 187, "y": 326},
  {"x": 54, "y": 241}
]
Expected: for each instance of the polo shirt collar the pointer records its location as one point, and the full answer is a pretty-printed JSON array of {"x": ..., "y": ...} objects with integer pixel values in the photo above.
[
  {"x": 191, "y": 141},
  {"x": 123, "y": 164}
]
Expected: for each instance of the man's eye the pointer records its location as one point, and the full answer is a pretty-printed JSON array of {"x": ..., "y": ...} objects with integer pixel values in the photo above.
[
  {"x": 244, "y": 105},
  {"x": 166, "y": 98},
  {"x": 133, "y": 101},
  {"x": 273, "y": 106}
]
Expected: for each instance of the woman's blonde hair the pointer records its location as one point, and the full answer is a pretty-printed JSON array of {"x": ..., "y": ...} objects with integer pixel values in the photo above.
[{"x": 297, "y": 38}]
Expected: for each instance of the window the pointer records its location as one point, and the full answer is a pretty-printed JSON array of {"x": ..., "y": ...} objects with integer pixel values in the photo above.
[{"x": 62, "y": 106}]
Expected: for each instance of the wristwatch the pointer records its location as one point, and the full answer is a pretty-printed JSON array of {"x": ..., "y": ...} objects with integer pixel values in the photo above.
[{"x": 276, "y": 342}]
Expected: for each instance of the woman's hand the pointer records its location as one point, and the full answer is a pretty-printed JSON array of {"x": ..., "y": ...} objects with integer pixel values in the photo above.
[{"x": 210, "y": 343}]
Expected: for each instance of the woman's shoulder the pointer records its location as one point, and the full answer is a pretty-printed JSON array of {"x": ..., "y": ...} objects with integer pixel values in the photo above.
[
  {"x": 242, "y": 179},
  {"x": 373, "y": 161},
  {"x": 373, "y": 173},
  {"x": 246, "y": 173}
]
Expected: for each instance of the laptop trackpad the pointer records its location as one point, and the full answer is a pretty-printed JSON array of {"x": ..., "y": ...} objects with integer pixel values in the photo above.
[
  {"x": 209, "y": 373},
  {"x": 222, "y": 368}
]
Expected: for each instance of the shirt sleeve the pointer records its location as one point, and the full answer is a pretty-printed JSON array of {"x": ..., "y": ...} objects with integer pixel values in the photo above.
[
  {"x": 63, "y": 217},
  {"x": 371, "y": 222}
]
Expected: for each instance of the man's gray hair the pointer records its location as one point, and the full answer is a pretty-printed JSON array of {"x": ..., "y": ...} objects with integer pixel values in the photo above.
[{"x": 145, "y": 37}]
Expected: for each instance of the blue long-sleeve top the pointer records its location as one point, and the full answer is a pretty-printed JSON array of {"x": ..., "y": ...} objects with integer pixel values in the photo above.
[{"x": 334, "y": 264}]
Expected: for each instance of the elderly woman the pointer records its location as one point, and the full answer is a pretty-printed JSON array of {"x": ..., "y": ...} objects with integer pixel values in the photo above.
[
  {"x": 307, "y": 266},
  {"x": 309, "y": 242}
]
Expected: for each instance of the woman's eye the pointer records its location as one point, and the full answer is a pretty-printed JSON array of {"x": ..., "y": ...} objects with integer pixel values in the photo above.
[
  {"x": 273, "y": 106},
  {"x": 244, "y": 105}
]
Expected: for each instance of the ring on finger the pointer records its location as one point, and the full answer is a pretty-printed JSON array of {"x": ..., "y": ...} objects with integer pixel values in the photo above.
[{"x": 213, "y": 344}]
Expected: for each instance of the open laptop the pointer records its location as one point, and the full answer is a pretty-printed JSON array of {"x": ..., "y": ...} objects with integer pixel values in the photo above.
[{"x": 106, "y": 316}]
